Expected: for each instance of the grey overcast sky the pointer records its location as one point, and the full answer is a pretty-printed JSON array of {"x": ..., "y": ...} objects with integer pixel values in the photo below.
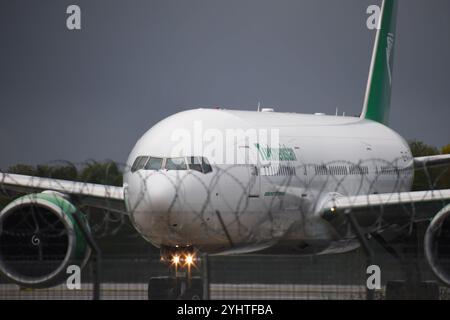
[{"x": 90, "y": 94}]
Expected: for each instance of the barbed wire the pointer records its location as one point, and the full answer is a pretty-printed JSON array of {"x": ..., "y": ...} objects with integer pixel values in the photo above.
[{"x": 277, "y": 185}]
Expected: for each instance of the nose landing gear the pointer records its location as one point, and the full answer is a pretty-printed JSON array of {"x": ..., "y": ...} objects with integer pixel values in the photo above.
[{"x": 182, "y": 263}]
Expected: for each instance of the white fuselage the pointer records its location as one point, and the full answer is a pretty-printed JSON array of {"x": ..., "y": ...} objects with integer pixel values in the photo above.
[{"x": 266, "y": 194}]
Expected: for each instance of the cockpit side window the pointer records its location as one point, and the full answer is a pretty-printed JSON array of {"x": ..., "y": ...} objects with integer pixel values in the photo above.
[
  {"x": 176, "y": 164},
  {"x": 154, "y": 164},
  {"x": 206, "y": 166},
  {"x": 139, "y": 163},
  {"x": 195, "y": 164}
]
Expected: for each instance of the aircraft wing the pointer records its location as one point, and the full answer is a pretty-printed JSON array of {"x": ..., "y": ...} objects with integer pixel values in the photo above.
[
  {"x": 378, "y": 211},
  {"x": 432, "y": 161},
  {"x": 88, "y": 194}
]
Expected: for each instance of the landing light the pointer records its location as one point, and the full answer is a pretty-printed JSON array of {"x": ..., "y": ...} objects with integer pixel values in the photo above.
[
  {"x": 176, "y": 260},
  {"x": 189, "y": 259},
  {"x": 183, "y": 260}
]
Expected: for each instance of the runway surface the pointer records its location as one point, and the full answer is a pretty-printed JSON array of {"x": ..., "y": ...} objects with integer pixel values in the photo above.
[
  {"x": 138, "y": 291},
  {"x": 218, "y": 291}
]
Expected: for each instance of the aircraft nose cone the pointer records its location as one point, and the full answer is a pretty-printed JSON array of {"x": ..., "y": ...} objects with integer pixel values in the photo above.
[
  {"x": 156, "y": 202},
  {"x": 161, "y": 194}
]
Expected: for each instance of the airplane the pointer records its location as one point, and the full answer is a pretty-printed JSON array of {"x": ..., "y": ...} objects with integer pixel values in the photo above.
[{"x": 294, "y": 184}]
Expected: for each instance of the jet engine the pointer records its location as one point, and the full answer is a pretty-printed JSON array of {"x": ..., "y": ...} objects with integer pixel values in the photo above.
[
  {"x": 39, "y": 240},
  {"x": 437, "y": 245}
]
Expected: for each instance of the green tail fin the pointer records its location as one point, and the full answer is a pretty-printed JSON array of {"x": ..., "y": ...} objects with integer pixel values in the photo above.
[{"x": 377, "y": 102}]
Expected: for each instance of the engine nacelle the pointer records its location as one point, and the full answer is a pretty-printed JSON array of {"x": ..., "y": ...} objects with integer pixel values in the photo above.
[
  {"x": 437, "y": 245},
  {"x": 39, "y": 239}
]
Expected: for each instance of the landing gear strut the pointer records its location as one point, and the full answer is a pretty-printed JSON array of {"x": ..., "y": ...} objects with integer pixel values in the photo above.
[
  {"x": 180, "y": 283},
  {"x": 412, "y": 287}
]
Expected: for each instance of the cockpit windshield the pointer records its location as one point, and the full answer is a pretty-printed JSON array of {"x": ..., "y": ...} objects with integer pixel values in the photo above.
[
  {"x": 195, "y": 164},
  {"x": 176, "y": 164},
  {"x": 205, "y": 165},
  {"x": 139, "y": 163},
  {"x": 154, "y": 164},
  {"x": 199, "y": 164}
]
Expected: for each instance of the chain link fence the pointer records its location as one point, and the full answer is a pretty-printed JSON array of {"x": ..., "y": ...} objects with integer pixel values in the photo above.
[{"x": 128, "y": 261}]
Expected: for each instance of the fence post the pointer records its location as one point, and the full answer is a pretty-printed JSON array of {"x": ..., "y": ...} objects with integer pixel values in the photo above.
[
  {"x": 96, "y": 267},
  {"x": 365, "y": 245},
  {"x": 205, "y": 276}
]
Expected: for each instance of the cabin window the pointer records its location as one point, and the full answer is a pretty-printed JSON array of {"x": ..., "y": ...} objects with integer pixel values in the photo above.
[
  {"x": 139, "y": 163},
  {"x": 176, "y": 164},
  {"x": 154, "y": 164}
]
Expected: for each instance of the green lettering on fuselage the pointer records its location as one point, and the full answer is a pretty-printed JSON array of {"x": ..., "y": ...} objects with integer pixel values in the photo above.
[{"x": 282, "y": 153}]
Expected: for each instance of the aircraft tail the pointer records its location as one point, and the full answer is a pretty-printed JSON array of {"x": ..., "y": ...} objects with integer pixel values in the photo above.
[{"x": 377, "y": 101}]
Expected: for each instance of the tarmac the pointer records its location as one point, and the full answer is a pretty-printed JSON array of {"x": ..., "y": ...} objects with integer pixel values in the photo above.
[{"x": 138, "y": 291}]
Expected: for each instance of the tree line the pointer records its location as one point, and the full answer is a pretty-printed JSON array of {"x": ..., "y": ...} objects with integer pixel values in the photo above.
[{"x": 435, "y": 178}]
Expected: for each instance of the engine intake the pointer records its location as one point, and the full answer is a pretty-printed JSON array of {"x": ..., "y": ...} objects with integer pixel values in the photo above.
[
  {"x": 39, "y": 239},
  {"x": 437, "y": 245}
]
